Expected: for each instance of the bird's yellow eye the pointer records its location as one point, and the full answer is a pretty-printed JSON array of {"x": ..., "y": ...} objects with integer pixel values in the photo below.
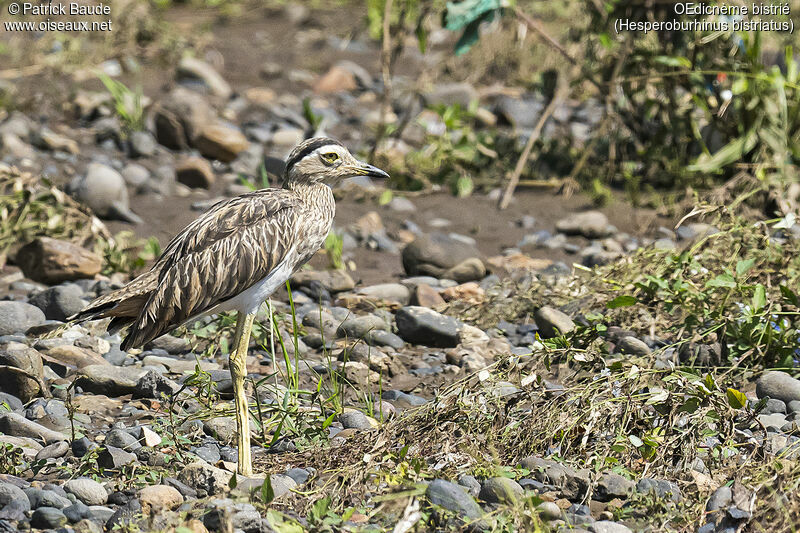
[{"x": 330, "y": 157}]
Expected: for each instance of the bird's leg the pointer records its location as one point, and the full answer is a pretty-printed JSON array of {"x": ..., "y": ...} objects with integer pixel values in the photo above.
[{"x": 238, "y": 367}]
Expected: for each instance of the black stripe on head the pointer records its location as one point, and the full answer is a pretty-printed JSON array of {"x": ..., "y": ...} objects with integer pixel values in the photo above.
[{"x": 306, "y": 147}]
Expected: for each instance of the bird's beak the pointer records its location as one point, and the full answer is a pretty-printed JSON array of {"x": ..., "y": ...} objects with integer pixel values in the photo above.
[{"x": 364, "y": 169}]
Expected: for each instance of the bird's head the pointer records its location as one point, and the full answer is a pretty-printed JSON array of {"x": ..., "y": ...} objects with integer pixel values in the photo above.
[{"x": 325, "y": 160}]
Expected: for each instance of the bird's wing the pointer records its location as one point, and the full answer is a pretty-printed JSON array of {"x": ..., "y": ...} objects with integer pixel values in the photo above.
[{"x": 224, "y": 252}]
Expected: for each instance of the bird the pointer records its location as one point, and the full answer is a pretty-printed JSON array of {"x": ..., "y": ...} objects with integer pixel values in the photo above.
[{"x": 232, "y": 258}]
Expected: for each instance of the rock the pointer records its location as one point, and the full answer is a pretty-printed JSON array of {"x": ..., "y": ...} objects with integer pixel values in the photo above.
[
  {"x": 607, "y": 526},
  {"x": 222, "y": 428},
  {"x": 13, "y": 498},
  {"x": 52, "y": 451},
  {"x": 453, "y": 498},
  {"x": 298, "y": 14},
  {"x": 661, "y": 488},
  {"x": 590, "y": 224},
  {"x": 420, "y": 325},
  {"x": 352, "y": 418},
  {"x": 154, "y": 385},
  {"x": 19, "y": 426},
  {"x": 221, "y": 142},
  {"x": 458, "y": 93},
  {"x": 573, "y": 483},
  {"x": 358, "y": 327},
  {"x": 122, "y": 439},
  {"x": 195, "y": 70},
  {"x": 103, "y": 189},
  {"x": 48, "y": 518},
  {"x": 158, "y": 497},
  {"x": 195, "y": 172},
  {"x": 113, "y": 457},
  {"x": 203, "y": 476},
  {"x": 282, "y": 484},
  {"x": 552, "y": 322},
  {"x": 426, "y": 296},
  {"x": 47, "y": 139},
  {"x": 393, "y": 292},
  {"x": 135, "y": 175},
  {"x": 54, "y": 261},
  {"x": 521, "y": 113},
  {"x": 76, "y": 512},
  {"x": 59, "y": 302},
  {"x": 778, "y": 385},
  {"x": 549, "y": 511},
  {"x": 87, "y": 491},
  {"x": 331, "y": 280},
  {"x": 127, "y": 517},
  {"x": 18, "y": 317},
  {"x": 82, "y": 446},
  {"x": 75, "y": 356},
  {"x": 141, "y": 144},
  {"x": 632, "y": 345},
  {"x": 24, "y": 387},
  {"x": 110, "y": 380},
  {"x": 434, "y": 254},
  {"x": 337, "y": 79},
  {"x": 468, "y": 270},
  {"x": 46, "y": 498},
  {"x": 611, "y": 485},
  {"x": 180, "y": 117},
  {"x": 379, "y": 337},
  {"x": 501, "y": 490},
  {"x": 170, "y": 344}
]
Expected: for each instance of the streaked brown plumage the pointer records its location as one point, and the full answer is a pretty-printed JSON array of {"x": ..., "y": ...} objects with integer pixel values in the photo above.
[{"x": 228, "y": 249}]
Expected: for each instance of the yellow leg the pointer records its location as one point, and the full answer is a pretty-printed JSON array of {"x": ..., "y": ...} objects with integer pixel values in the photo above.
[{"x": 238, "y": 368}]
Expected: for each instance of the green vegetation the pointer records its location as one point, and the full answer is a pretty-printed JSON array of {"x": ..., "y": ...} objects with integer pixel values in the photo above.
[{"x": 127, "y": 103}]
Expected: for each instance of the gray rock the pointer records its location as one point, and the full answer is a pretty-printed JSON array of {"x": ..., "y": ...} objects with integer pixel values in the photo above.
[
  {"x": 76, "y": 512},
  {"x": 299, "y": 475},
  {"x": 471, "y": 269},
  {"x": 778, "y": 385},
  {"x": 110, "y": 380},
  {"x": 420, "y": 325},
  {"x": 46, "y": 498},
  {"x": 633, "y": 346},
  {"x": 103, "y": 189},
  {"x": 82, "y": 446},
  {"x": 122, "y": 439},
  {"x": 282, "y": 484},
  {"x": 611, "y": 485},
  {"x": 170, "y": 344},
  {"x": 11, "y": 495},
  {"x": 607, "y": 526},
  {"x": 208, "y": 453},
  {"x": 378, "y": 337},
  {"x": 48, "y": 518},
  {"x": 51, "y": 451},
  {"x": 662, "y": 488},
  {"x": 472, "y": 485},
  {"x": 774, "y": 421},
  {"x": 128, "y": 517},
  {"x": 501, "y": 490},
  {"x": 16, "y": 317},
  {"x": 453, "y": 498},
  {"x": 358, "y": 327},
  {"x": 355, "y": 419},
  {"x": 200, "y": 475},
  {"x": 573, "y": 483},
  {"x": 180, "y": 117},
  {"x": 10, "y": 402},
  {"x": 87, "y": 491},
  {"x": 154, "y": 385},
  {"x": 774, "y": 406},
  {"x": 192, "y": 69},
  {"x": 549, "y": 511},
  {"x": 590, "y": 224},
  {"x": 60, "y": 302},
  {"x": 552, "y": 322},
  {"x": 395, "y": 292},
  {"x": 19, "y": 426},
  {"x": 135, "y": 175},
  {"x": 402, "y": 205},
  {"x": 18, "y": 355},
  {"x": 434, "y": 254},
  {"x": 141, "y": 144},
  {"x": 113, "y": 457},
  {"x": 521, "y": 113}
]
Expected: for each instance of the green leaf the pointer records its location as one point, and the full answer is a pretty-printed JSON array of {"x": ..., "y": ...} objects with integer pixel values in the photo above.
[
  {"x": 385, "y": 197},
  {"x": 636, "y": 441},
  {"x": 233, "y": 482},
  {"x": 736, "y": 399},
  {"x": 759, "y": 298},
  {"x": 622, "y": 301},
  {"x": 743, "y": 266},
  {"x": 730, "y": 153},
  {"x": 739, "y": 85},
  {"x": 267, "y": 492},
  {"x": 789, "y": 295},
  {"x": 461, "y": 14},
  {"x": 674, "y": 61},
  {"x": 723, "y": 280}
]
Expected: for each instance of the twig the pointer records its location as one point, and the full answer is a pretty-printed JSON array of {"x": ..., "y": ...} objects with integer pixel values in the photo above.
[{"x": 526, "y": 152}]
